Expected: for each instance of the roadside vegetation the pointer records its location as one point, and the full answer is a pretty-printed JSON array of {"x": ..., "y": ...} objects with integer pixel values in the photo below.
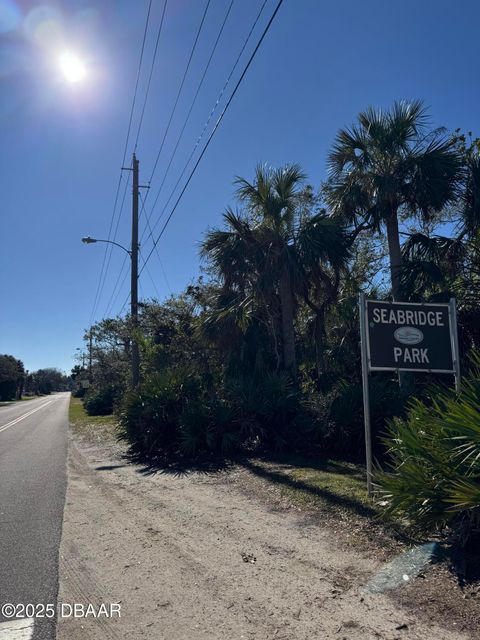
[
  {"x": 433, "y": 469},
  {"x": 260, "y": 356},
  {"x": 98, "y": 428}
]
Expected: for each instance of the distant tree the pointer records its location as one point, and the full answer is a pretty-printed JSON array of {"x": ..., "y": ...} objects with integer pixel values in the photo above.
[
  {"x": 78, "y": 371},
  {"x": 110, "y": 352},
  {"x": 12, "y": 378},
  {"x": 44, "y": 381}
]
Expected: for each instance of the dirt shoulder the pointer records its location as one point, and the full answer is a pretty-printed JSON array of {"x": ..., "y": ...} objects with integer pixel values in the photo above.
[{"x": 220, "y": 556}]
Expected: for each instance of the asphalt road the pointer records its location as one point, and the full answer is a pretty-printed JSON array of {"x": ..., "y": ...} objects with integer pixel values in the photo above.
[{"x": 33, "y": 452}]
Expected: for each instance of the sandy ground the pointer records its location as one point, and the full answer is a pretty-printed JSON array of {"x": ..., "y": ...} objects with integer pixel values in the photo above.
[{"x": 197, "y": 557}]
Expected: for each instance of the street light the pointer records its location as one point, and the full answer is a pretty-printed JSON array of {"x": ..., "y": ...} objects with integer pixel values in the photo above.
[
  {"x": 89, "y": 240},
  {"x": 134, "y": 303}
]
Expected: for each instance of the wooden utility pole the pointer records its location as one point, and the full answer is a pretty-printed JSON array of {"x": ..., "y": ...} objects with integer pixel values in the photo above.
[
  {"x": 134, "y": 274},
  {"x": 90, "y": 340}
]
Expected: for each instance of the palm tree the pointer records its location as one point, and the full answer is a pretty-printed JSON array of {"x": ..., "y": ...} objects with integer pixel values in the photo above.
[
  {"x": 389, "y": 164},
  {"x": 436, "y": 264},
  {"x": 271, "y": 254},
  {"x": 439, "y": 267}
]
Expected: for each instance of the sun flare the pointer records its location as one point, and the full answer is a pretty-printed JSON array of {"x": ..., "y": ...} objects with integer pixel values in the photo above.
[{"x": 72, "y": 67}]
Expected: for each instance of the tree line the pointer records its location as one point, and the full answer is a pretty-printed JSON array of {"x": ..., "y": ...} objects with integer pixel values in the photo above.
[{"x": 15, "y": 381}]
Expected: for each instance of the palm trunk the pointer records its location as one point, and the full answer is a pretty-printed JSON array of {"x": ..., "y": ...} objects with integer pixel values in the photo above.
[
  {"x": 288, "y": 335},
  {"x": 395, "y": 253},
  {"x": 319, "y": 344},
  {"x": 396, "y": 261}
]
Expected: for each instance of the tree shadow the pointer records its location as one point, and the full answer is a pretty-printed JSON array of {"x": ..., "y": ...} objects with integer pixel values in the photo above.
[
  {"x": 343, "y": 467},
  {"x": 177, "y": 466},
  {"x": 110, "y": 467},
  {"x": 334, "y": 499}
]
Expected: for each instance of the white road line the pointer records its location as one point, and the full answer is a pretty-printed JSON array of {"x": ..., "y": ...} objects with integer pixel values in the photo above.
[
  {"x": 25, "y": 415},
  {"x": 17, "y": 629}
]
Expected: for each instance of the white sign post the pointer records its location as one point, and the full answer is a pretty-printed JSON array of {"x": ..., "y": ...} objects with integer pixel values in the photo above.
[{"x": 366, "y": 400}]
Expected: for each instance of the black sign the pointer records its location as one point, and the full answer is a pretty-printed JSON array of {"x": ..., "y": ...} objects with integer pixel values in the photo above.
[{"x": 409, "y": 336}]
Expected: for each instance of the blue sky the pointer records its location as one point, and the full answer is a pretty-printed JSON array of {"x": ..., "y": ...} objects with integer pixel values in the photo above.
[{"x": 62, "y": 145}]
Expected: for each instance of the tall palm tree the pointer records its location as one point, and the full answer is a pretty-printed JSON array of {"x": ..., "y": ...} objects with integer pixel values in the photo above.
[
  {"x": 436, "y": 264},
  {"x": 390, "y": 164},
  {"x": 268, "y": 252}
]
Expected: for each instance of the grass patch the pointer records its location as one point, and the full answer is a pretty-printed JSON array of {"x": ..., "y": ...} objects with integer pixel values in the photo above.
[
  {"x": 318, "y": 485},
  {"x": 94, "y": 428}
]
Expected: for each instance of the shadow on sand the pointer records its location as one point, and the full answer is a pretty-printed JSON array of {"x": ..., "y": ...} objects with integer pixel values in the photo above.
[{"x": 177, "y": 466}]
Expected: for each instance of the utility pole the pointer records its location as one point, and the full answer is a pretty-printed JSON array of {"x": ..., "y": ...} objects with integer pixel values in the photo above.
[
  {"x": 90, "y": 338},
  {"x": 134, "y": 273}
]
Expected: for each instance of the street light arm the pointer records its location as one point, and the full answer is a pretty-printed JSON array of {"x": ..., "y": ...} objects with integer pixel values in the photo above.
[{"x": 89, "y": 240}]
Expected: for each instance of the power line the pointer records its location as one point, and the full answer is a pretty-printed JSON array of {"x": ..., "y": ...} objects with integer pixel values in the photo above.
[
  {"x": 123, "y": 306},
  {"x": 153, "y": 282},
  {"x": 114, "y": 297},
  {"x": 220, "y": 118},
  {"x": 110, "y": 246},
  {"x": 105, "y": 262},
  {"x": 147, "y": 217},
  {"x": 199, "y": 86},
  {"x": 136, "y": 82},
  {"x": 159, "y": 33},
  {"x": 97, "y": 294},
  {"x": 119, "y": 285},
  {"x": 199, "y": 30},
  {"x": 205, "y": 127}
]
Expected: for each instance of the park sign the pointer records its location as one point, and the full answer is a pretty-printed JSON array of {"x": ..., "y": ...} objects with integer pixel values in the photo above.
[{"x": 404, "y": 336}]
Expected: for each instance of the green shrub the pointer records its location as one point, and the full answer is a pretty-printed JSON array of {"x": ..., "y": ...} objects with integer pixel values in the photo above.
[
  {"x": 268, "y": 411},
  {"x": 100, "y": 402},
  {"x": 338, "y": 415},
  {"x": 150, "y": 416},
  {"x": 209, "y": 426},
  {"x": 433, "y": 478},
  {"x": 178, "y": 413}
]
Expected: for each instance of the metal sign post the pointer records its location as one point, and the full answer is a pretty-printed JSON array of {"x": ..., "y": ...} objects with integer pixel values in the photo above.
[
  {"x": 454, "y": 339},
  {"x": 366, "y": 401}
]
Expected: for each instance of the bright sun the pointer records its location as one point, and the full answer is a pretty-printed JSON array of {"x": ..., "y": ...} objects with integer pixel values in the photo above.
[{"x": 72, "y": 67}]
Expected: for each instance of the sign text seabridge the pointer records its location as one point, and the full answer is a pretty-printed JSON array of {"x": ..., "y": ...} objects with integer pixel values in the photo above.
[{"x": 409, "y": 336}]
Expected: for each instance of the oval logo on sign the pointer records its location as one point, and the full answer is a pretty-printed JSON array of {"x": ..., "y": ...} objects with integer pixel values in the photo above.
[{"x": 408, "y": 335}]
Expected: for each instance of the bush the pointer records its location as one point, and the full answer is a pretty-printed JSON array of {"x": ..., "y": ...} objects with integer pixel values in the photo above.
[
  {"x": 182, "y": 413},
  {"x": 100, "y": 402},
  {"x": 178, "y": 413},
  {"x": 338, "y": 415},
  {"x": 434, "y": 476},
  {"x": 268, "y": 411},
  {"x": 172, "y": 413},
  {"x": 150, "y": 415}
]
